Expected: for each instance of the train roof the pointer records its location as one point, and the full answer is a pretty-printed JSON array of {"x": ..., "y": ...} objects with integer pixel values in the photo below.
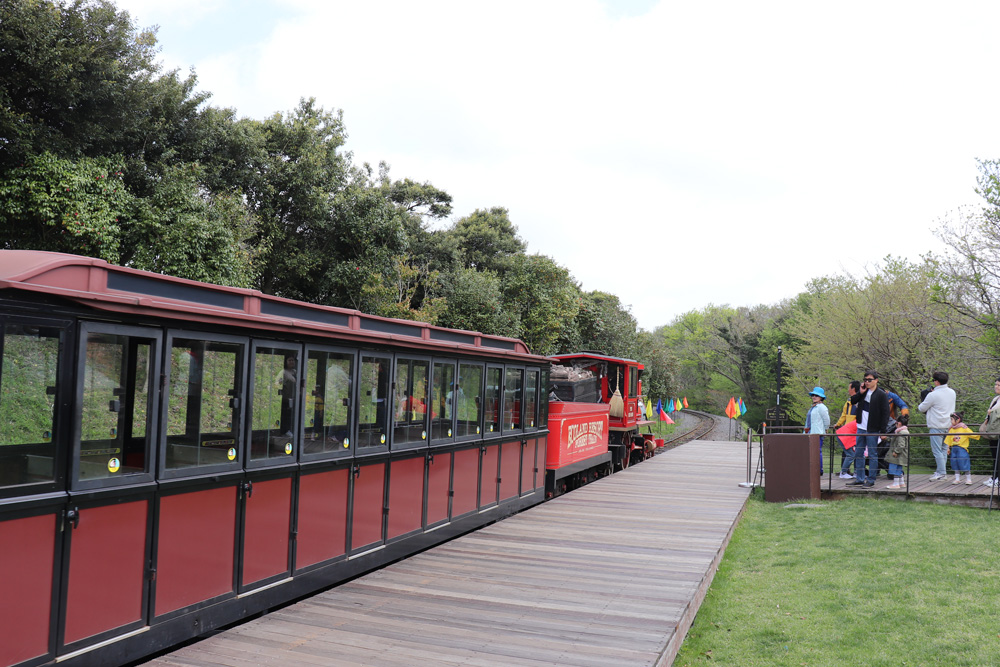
[
  {"x": 595, "y": 356},
  {"x": 106, "y": 287}
]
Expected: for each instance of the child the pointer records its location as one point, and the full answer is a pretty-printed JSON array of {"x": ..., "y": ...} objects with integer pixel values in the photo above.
[
  {"x": 898, "y": 455},
  {"x": 958, "y": 447}
]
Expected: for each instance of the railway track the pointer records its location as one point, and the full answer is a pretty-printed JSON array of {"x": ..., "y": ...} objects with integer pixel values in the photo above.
[{"x": 706, "y": 423}]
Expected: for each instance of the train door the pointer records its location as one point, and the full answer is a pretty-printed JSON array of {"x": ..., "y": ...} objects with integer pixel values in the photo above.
[
  {"x": 200, "y": 471},
  {"x": 367, "y": 508},
  {"x": 489, "y": 456},
  {"x": 273, "y": 434},
  {"x": 324, "y": 484},
  {"x": 34, "y": 440},
  {"x": 525, "y": 482},
  {"x": 413, "y": 409},
  {"x": 108, "y": 520}
]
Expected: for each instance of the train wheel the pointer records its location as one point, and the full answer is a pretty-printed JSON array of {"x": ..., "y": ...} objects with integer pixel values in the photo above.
[{"x": 624, "y": 458}]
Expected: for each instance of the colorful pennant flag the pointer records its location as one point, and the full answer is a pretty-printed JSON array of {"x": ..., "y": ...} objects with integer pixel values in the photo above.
[
  {"x": 679, "y": 405},
  {"x": 660, "y": 411},
  {"x": 670, "y": 405},
  {"x": 731, "y": 409},
  {"x": 743, "y": 406},
  {"x": 685, "y": 401},
  {"x": 668, "y": 419},
  {"x": 649, "y": 409}
]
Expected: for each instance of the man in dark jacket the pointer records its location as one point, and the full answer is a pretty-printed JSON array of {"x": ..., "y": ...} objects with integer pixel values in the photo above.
[{"x": 873, "y": 418}]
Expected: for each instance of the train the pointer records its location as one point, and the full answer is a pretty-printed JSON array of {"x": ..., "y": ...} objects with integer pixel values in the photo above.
[{"x": 177, "y": 456}]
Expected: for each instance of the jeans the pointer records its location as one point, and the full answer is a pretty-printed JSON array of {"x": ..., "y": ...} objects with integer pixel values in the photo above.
[
  {"x": 896, "y": 469},
  {"x": 960, "y": 460},
  {"x": 848, "y": 457},
  {"x": 871, "y": 442},
  {"x": 938, "y": 449}
]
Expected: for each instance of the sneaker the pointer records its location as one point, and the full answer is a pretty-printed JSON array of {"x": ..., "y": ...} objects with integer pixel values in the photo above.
[
  {"x": 855, "y": 483},
  {"x": 968, "y": 481},
  {"x": 990, "y": 482},
  {"x": 846, "y": 475},
  {"x": 895, "y": 485},
  {"x": 936, "y": 476},
  {"x": 954, "y": 481},
  {"x": 869, "y": 482}
]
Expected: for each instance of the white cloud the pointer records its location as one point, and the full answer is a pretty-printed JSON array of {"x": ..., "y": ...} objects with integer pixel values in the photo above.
[{"x": 675, "y": 154}]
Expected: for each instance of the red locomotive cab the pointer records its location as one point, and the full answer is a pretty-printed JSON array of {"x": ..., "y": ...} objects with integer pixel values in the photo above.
[{"x": 597, "y": 378}]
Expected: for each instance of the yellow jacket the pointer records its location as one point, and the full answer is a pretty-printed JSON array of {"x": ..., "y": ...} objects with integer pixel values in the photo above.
[
  {"x": 848, "y": 411},
  {"x": 954, "y": 439}
]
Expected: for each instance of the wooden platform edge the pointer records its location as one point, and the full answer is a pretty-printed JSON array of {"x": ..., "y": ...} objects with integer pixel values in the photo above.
[{"x": 673, "y": 646}]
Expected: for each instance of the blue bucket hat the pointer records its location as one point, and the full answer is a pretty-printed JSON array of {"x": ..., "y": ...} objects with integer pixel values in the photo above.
[{"x": 818, "y": 391}]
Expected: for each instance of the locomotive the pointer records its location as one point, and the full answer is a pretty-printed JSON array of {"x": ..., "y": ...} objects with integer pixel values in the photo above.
[{"x": 177, "y": 456}]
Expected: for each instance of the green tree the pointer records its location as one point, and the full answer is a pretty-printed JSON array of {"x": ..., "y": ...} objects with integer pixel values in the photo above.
[
  {"x": 487, "y": 240},
  {"x": 184, "y": 232},
  {"x": 58, "y": 204},
  {"x": 606, "y": 326},
  {"x": 73, "y": 79},
  {"x": 888, "y": 321},
  {"x": 543, "y": 299},
  {"x": 473, "y": 302},
  {"x": 659, "y": 381},
  {"x": 969, "y": 271}
]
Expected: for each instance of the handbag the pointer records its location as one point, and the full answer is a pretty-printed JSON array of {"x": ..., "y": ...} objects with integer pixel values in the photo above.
[
  {"x": 846, "y": 433},
  {"x": 992, "y": 424}
]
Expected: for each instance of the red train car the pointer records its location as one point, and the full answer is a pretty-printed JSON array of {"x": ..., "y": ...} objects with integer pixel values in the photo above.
[
  {"x": 613, "y": 382},
  {"x": 176, "y": 456}
]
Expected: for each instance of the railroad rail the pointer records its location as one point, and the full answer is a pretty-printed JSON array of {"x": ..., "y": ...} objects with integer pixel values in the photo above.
[{"x": 706, "y": 422}]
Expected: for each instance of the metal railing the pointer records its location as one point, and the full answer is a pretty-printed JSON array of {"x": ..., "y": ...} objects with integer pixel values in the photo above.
[{"x": 920, "y": 463}]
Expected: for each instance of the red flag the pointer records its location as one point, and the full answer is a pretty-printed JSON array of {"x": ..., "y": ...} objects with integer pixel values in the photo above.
[{"x": 731, "y": 409}]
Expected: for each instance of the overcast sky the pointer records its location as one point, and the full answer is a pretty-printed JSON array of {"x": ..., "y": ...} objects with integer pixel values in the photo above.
[{"x": 673, "y": 153}]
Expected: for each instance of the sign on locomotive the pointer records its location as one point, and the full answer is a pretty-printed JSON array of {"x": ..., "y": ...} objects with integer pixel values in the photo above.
[{"x": 176, "y": 456}]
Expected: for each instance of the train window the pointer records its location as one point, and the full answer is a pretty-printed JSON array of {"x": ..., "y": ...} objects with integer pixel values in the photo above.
[
  {"x": 633, "y": 381},
  {"x": 443, "y": 401},
  {"x": 116, "y": 403},
  {"x": 410, "y": 421},
  {"x": 543, "y": 403},
  {"x": 328, "y": 402},
  {"x": 273, "y": 410},
  {"x": 373, "y": 391},
  {"x": 494, "y": 379},
  {"x": 29, "y": 363},
  {"x": 531, "y": 398},
  {"x": 469, "y": 401},
  {"x": 203, "y": 403},
  {"x": 513, "y": 399}
]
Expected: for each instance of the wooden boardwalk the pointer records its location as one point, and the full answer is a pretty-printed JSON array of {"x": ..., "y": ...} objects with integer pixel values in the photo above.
[
  {"x": 610, "y": 574},
  {"x": 922, "y": 488}
]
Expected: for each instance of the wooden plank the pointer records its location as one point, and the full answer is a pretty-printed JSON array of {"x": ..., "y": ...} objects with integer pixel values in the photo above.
[{"x": 610, "y": 574}]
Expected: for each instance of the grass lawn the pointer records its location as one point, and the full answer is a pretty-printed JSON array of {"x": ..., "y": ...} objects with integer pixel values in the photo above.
[{"x": 864, "y": 581}]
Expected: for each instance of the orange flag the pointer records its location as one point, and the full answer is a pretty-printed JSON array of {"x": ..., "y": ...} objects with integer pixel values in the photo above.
[
  {"x": 731, "y": 409},
  {"x": 685, "y": 401}
]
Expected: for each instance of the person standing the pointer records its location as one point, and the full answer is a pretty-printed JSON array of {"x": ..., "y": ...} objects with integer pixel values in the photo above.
[
  {"x": 958, "y": 447},
  {"x": 818, "y": 419},
  {"x": 938, "y": 404},
  {"x": 898, "y": 455},
  {"x": 872, "y": 418},
  {"x": 991, "y": 431},
  {"x": 897, "y": 408},
  {"x": 847, "y": 418}
]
